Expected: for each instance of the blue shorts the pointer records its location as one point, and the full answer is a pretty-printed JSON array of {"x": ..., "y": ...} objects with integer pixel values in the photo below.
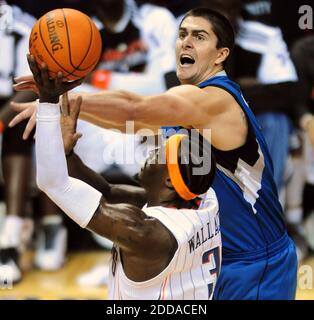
[{"x": 266, "y": 274}]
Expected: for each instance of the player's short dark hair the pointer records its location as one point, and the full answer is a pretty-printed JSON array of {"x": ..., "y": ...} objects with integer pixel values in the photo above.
[
  {"x": 221, "y": 26},
  {"x": 192, "y": 151}
]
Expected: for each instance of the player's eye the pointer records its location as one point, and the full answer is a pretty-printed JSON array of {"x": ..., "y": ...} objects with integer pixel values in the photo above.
[{"x": 199, "y": 37}]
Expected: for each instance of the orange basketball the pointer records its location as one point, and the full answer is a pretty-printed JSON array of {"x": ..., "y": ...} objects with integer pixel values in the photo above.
[{"x": 67, "y": 40}]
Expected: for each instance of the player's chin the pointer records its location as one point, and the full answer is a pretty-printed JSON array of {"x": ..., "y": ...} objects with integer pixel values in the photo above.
[{"x": 184, "y": 76}]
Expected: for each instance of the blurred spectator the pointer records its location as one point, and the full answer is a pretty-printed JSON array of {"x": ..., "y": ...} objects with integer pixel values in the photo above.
[
  {"x": 37, "y": 8},
  {"x": 265, "y": 72},
  {"x": 137, "y": 46},
  {"x": 177, "y": 7},
  {"x": 303, "y": 56}
]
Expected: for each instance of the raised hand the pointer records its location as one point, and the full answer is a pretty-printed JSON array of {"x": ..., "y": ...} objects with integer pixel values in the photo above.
[
  {"x": 69, "y": 116},
  {"x": 49, "y": 90}
]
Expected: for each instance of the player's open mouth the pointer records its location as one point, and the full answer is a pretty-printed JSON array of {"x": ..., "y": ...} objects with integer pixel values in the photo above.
[{"x": 186, "y": 60}]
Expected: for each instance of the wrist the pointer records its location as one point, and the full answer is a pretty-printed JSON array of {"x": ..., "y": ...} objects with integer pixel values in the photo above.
[
  {"x": 48, "y": 99},
  {"x": 69, "y": 154},
  {"x": 47, "y": 109}
]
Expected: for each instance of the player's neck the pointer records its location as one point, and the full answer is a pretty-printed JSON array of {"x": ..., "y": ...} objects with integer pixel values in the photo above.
[{"x": 212, "y": 73}]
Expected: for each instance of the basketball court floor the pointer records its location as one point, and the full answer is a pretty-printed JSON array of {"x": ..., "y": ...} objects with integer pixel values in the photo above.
[{"x": 62, "y": 284}]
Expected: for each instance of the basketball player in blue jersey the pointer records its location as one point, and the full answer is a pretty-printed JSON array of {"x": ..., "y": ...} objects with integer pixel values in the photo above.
[{"x": 259, "y": 259}]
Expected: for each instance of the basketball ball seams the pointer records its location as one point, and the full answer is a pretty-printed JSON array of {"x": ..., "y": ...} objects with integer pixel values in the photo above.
[
  {"x": 76, "y": 68},
  {"x": 43, "y": 41},
  {"x": 60, "y": 30},
  {"x": 69, "y": 44},
  {"x": 97, "y": 59}
]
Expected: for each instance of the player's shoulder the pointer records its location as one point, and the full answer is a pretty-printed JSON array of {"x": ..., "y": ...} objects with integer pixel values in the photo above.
[
  {"x": 190, "y": 88},
  {"x": 206, "y": 97}
]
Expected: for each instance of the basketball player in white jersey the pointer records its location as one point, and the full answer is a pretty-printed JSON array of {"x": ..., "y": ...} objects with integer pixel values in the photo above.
[{"x": 168, "y": 250}]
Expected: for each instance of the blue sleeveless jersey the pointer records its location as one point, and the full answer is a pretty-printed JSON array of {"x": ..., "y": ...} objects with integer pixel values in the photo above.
[{"x": 250, "y": 212}]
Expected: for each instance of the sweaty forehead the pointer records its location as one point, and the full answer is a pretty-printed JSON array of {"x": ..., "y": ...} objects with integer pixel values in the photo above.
[{"x": 196, "y": 23}]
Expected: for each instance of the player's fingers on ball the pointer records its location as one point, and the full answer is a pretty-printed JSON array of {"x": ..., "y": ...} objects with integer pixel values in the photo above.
[
  {"x": 44, "y": 74},
  {"x": 34, "y": 68},
  {"x": 59, "y": 79}
]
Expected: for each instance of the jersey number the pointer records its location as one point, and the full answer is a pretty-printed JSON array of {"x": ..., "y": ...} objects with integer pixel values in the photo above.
[{"x": 212, "y": 261}]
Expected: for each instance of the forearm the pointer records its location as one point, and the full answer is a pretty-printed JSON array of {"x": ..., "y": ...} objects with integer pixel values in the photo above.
[
  {"x": 76, "y": 198},
  {"x": 111, "y": 192},
  {"x": 113, "y": 110},
  {"x": 77, "y": 169},
  {"x": 116, "y": 107}
]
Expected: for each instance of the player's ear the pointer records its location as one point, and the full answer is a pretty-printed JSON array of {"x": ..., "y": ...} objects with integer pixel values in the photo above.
[{"x": 223, "y": 54}]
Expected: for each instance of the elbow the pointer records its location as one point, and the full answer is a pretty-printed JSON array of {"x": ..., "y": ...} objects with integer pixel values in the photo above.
[
  {"x": 41, "y": 183},
  {"x": 48, "y": 185},
  {"x": 44, "y": 184}
]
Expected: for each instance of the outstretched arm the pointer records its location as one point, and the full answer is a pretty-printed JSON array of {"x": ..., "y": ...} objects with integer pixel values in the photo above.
[{"x": 184, "y": 105}]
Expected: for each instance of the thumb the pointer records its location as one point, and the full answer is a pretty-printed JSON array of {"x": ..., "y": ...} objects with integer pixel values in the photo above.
[{"x": 76, "y": 137}]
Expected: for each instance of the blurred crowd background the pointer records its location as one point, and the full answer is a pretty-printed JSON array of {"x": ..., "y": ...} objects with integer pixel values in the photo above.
[{"x": 273, "y": 61}]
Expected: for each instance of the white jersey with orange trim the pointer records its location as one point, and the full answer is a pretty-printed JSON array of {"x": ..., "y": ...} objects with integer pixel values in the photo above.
[{"x": 192, "y": 273}]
